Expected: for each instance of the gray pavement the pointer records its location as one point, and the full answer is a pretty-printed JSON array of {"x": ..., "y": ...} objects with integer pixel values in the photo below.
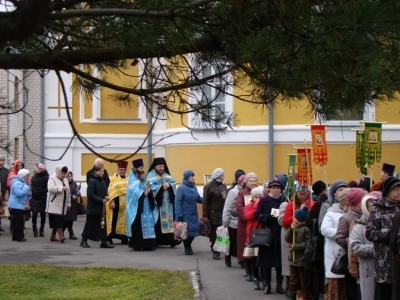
[{"x": 218, "y": 282}]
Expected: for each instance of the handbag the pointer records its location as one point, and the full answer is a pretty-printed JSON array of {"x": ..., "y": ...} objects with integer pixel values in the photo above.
[
  {"x": 250, "y": 252},
  {"x": 260, "y": 238},
  {"x": 80, "y": 207},
  {"x": 311, "y": 252},
  {"x": 341, "y": 264},
  {"x": 180, "y": 231},
  {"x": 205, "y": 227}
]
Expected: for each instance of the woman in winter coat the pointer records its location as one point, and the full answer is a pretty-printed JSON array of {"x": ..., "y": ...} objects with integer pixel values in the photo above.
[
  {"x": 333, "y": 195},
  {"x": 378, "y": 231},
  {"x": 270, "y": 257},
  {"x": 19, "y": 191},
  {"x": 243, "y": 198},
  {"x": 96, "y": 198},
  {"x": 72, "y": 215},
  {"x": 363, "y": 249},
  {"x": 249, "y": 211},
  {"x": 39, "y": 197},
  {"x": 314, "y": 272},
  {"x": 214, "y": 195},
  {"x": 230, "y": 219},
  {"x": 336, "y": 284},
  {"x": 284, "y": 246},
  {"x": 58, "y": 202},
  {"x": 186, "y": 200}
]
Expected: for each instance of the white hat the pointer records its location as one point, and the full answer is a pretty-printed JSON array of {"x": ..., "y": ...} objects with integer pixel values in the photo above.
[{"x": 22, "y": 173}]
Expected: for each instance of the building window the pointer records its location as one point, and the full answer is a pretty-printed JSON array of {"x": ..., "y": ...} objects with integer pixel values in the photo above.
[{"x": 16, "y": 93}]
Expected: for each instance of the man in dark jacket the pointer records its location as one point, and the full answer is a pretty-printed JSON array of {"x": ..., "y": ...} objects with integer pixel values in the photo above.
[
  {"x": 100, "y": 163},
  {"x": 3, "y": 182}
]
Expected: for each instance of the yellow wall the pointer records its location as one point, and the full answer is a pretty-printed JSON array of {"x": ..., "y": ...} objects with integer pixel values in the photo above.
[
  {"x": 388, "y": 112},
  {"x": 204, "y": 159},
  {"x": 87, "y": 161},
  {"x": 296, "y": 113}
]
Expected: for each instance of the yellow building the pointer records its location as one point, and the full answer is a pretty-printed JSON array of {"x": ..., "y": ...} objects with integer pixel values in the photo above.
[{"x": 118, "y": 131}]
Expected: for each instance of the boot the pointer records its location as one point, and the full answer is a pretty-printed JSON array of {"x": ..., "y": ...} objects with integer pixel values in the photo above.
[
  {"x": 257, "y": 285},
  {"x": 41, "y": 232},
  {"x": 241, "y": 263},
  {"x": 61, "y": 234},
  {"x": 279, "y": 280},
  {"x": 53, "y": 236},
  {"x": 267, "y": 278},
  {"x": 35, "y": 232},
  {"x": 185, "y": 245},
  {"x": 84, "y": 243},
  {"x": 249, "y": 270},
  {"x": 279, "y": 288},
  {"x": 228, "y": 262},
  {"x": 190, "y": 250},
  {"x": 72, "y": 236},
  {"x": 106, "y": 244},
  {"x": 216, "y": 255}
]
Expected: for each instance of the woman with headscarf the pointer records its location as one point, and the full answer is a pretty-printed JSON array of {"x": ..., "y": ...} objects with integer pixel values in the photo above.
[
  {"x": 72, "y": 213},
  {"x": 378, "y": 231},
  {"x": 243, "y": 198},
  {"x": 58, "y": 202},
  {"x": 230, "y": 219},
  {"x": 214, "y": 195},
  {"x": 270, "y": 257},
  {"x": 19, "y": 190},
  {"x": 186, "y": 200},
  {"x": 39, "y": 196}
]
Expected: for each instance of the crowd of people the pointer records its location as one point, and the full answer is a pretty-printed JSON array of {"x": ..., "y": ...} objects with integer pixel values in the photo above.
[{"x": 342, "y": 241}]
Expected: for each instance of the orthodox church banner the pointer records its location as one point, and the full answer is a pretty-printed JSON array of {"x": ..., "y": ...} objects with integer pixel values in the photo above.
[
  {"x": 360, "y": 160},
  {"x": 320, "y": 148},
  {"x": 304, "y": 167},
  {"x": 372, "y": 143},
  {"x": 291, "y": 171}
]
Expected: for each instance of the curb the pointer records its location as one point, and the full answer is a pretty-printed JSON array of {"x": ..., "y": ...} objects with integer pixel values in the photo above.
[{"x": 195, "y": 279}]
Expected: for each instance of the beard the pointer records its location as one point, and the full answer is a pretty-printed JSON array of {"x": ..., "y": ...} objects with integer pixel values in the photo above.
[{"x": 141, "y": 175}]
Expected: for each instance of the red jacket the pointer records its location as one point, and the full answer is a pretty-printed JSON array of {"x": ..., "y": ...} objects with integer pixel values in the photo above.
[
  {"x": 249, "y": 210},
  {"x": 288, "y": 215}
]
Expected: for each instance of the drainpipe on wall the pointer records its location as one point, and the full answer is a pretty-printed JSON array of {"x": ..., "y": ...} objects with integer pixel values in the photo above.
[
  {"x": 23, "y": 116},
  {"x": 149, "y": 107},
  {"x": 8, "y": 116},
  {"x": 42, "y": 118},
  {"x": 271, "y": 140}
]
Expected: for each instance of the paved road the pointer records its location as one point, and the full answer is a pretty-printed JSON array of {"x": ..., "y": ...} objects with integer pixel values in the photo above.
[{"x": 218, "y": 281}]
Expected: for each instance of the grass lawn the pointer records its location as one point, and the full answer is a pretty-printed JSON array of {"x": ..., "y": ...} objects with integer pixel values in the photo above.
[{"x": 47, "y": 282}]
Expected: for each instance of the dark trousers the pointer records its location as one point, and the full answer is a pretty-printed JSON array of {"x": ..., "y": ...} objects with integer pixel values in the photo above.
[
  {"x": 383, "y": 291},
  {"x": 17, "y": 224},
  {"x": 266, "y": 274},
  {"x": 233, "y": 242},
  {"x": 69, "y": 224},
  {"x": 42, "y": 219},
  {"x": 188, "y": 242},
  {"x": 296, "y": 281},
  {"x": 213, "y": 235}
]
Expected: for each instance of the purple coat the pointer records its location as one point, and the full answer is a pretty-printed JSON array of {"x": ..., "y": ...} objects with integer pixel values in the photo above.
[{"x": 269, "y": 257}]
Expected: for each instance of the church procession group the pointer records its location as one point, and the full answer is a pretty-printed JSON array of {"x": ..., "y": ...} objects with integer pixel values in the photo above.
[{"x": 341, "y": 241}]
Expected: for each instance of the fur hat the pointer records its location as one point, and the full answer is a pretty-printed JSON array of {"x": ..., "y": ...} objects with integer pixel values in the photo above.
[
  {"x": 256, "y": 191},
  {"x": 388, "y": 184},
  {"x": 217, "y": 173},
  {"x": 354, "y": 196},
  {"x": 301, "y": 214},
  {"x": 318, "y": 187}
]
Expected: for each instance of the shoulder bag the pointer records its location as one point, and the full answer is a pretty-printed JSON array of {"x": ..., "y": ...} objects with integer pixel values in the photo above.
[{"x": 311, "y": 252}]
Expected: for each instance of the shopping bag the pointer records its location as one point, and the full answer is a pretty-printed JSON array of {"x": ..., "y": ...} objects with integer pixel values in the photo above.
[
  {"x": 180, "y": 230},
  {"x": 4, "y": 211},
  {"x": 204, "y": 227},
  {"x": 222, "y": 242}
]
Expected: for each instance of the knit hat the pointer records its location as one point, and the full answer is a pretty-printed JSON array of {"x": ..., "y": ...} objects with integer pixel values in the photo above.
[
  {"x": 376, "y": 186},
  {"x": 265, "y": 184},
  {"x": 354, "y": 196},
  {"x": 318, "y": 187},
  {"x": 301, "y": 214},
  {"x": 275, "y": 183},
  {"x": 239, "y": 173},
  {"x": 364, "y": 200},
  {"x": 335, "y": 185},
  {"x": 22, "y": 173},
  {"x": 241, "y": 179},
  {"x": 343, "y": 197},
  {"x": 256, "y": 191},
  {"x": 187, "y": 174},
  {"x": 217, "y": 173},
  {"x": 251, "y": 175},
  {"x": 41, "y": 168},
  {"x": 388, "y": 184},
  {"x": 301, "y": 188}
]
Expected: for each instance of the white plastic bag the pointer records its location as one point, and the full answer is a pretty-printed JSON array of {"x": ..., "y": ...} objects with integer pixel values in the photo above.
[{"x": 222, "y": 242}]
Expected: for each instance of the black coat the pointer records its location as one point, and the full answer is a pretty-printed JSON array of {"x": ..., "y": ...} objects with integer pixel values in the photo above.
[
  {"x": 71, "y": 214},
  {"x": 39, "y": 191},
  {"x": 213, "y": 202},
  {"x": 96, "y": 192},
  {"x": 91, "y": 173},
  {"x": 269, "y": 257},
  {"x": 3, "y": 180}
]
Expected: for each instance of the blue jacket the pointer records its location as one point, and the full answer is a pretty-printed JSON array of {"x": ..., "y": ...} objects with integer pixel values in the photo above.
[
  {"x": 186, "y": 200},
  {"x": 18, "y": 193}
]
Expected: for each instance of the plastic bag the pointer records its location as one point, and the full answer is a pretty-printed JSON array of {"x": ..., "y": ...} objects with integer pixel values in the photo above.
[{"x": 222, "y": 242}]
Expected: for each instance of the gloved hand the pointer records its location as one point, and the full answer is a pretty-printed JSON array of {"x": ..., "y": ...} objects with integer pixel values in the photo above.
[{"x": 180, "y": 219}]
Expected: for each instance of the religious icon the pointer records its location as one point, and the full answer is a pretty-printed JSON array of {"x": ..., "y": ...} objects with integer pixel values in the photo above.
[
  {"x": 373, "y": 137},
  {"x": 291, "y": 173},
  {"x": 303, "y": 161},
  {"x": 207, "y": 179},
  {"x": 318, "y": 139}
]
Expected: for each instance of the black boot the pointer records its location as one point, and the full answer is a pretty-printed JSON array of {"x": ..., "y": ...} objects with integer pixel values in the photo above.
[
  {"x": 84, "y": 243},
  {"x": 185, "y": 245},
  {"x": 267, "y": 278},
  {"x": 216, "y": 255},
  {"x": 249, "y": 270},
  {"x": 41, "y": 232},
  {"x": 279, "y": 281},
  {"x": 228, "y": 262},
  {"x": 106, "y": 244},
  {"x": 72, "y": 236},
  {"x": 35, "y": 232}
]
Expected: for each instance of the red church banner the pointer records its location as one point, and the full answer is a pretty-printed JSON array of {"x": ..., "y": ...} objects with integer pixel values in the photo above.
[
  {"x": 320, "y": 149},
  {"x": 304, "y": 167}
]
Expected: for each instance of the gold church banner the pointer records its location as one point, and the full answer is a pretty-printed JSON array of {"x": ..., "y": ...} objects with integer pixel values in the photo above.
[
  {"x": 372, "y": 143},
  {"x": 304, "y": 168},
  {"x": 319, "y": 146}
]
